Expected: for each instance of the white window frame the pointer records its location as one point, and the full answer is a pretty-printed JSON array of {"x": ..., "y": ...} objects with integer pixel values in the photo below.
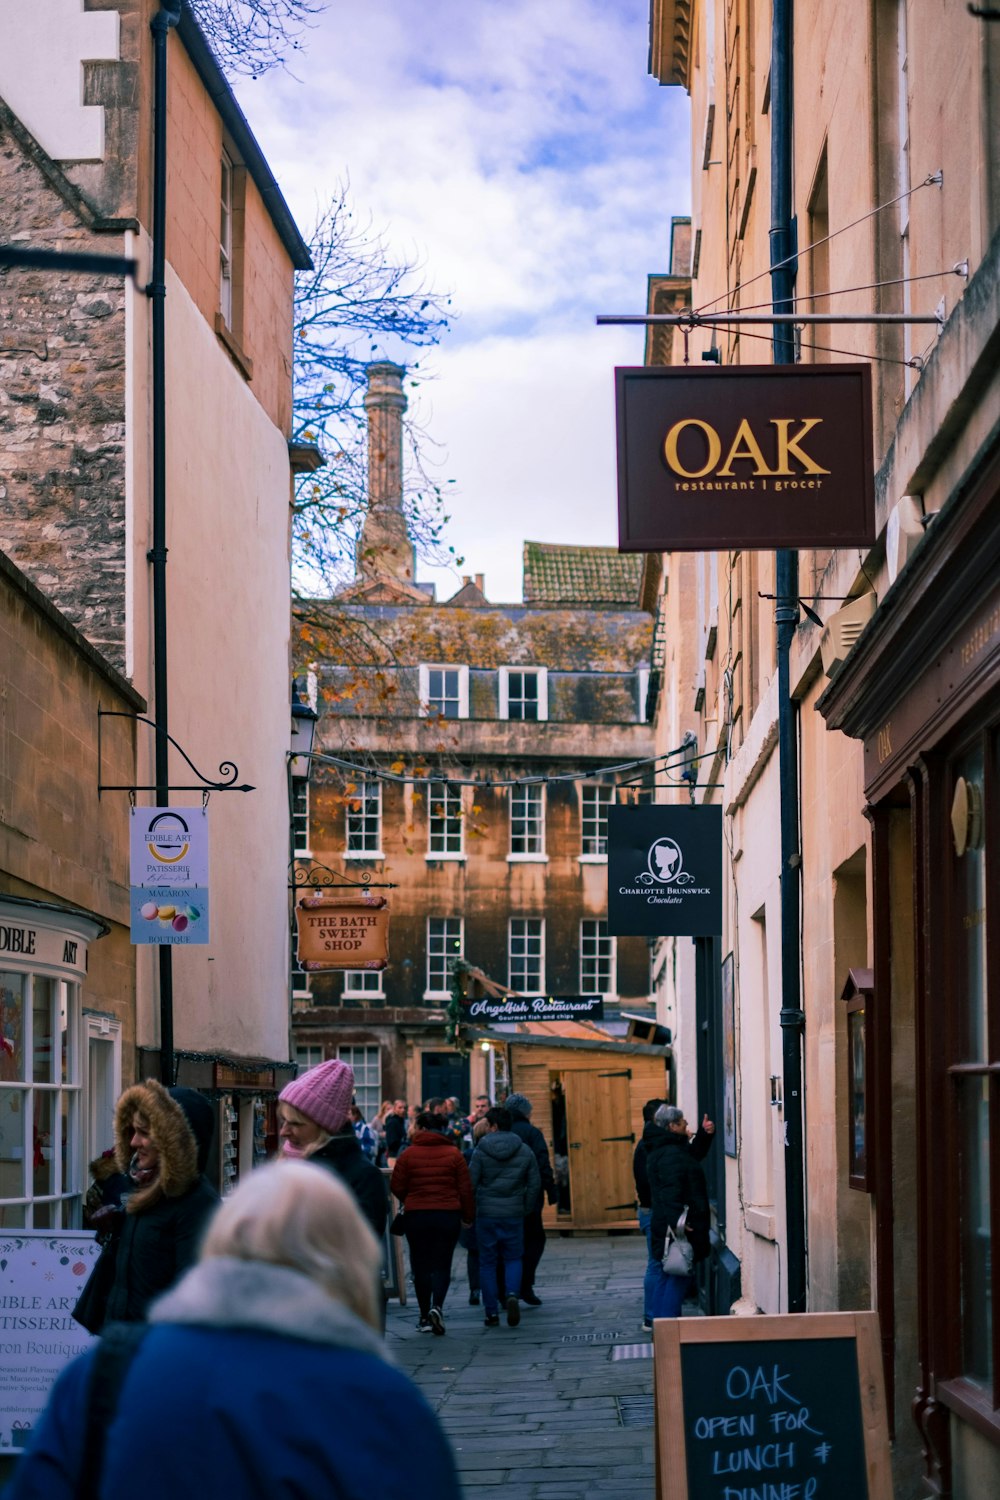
[
  {"x": 362, "y": 795},
  {"x": 308, "y": 1055},
  {"x": 444, "y": 790},
  {"x": 523, "y": 794},
  {"x": 446, "y": 951},
  {"x": 642, "y": 689},
  {"x": 518, "y": 981},
  {"x": 604, "y": 796},
  {"x": 300, "y": 977},
  {"x": 65, "y": 1202},
  {"x": 226, "y": 239},
  {"x": 541, "y": 675},
  {"x": 426, "y": 668},
  {"x": 608, "y": 957},
  {"x": 364, "y": 982},
  {"x": 104, "y": 1031},
  {"x": 367, "y": 1094},
  {"x": 301, "y": 847}
]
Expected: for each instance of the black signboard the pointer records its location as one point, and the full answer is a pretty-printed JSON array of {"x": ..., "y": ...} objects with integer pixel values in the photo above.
[
  {"x": 749, "y": 456},
  {"x": 535, "y": 1008},
  {"x": 665, "y": 871},
  {"x": 778, "y": 1406},
  {"x": 783, "y": 1414}
]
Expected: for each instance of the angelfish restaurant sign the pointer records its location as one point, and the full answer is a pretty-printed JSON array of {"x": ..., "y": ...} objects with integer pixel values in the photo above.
[
  {"x": 535, "y": 1008},
  {"x": 665, "y": 871},
  {"x": 744, "y": 456}
]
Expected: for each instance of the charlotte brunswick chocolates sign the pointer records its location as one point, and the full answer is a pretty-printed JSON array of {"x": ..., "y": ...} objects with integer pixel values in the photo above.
[
  {"x": 744, "y": 456},
  {"x": 665, "y": 871}
]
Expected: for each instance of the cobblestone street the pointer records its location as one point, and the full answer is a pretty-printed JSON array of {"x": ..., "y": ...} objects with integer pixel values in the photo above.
[{"x": 559, "y": 1408}]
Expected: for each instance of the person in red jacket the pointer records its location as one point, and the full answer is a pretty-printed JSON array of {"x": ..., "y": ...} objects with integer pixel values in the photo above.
[{"x": 432, "y": 1182}]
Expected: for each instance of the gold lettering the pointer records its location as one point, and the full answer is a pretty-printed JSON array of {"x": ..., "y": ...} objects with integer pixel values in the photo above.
[
  {"x": 884, "y": 743},
  {"x": 788, "y": 444},
  {"x": 751, "y": 450},
  {"x": 670, "y": 448}
]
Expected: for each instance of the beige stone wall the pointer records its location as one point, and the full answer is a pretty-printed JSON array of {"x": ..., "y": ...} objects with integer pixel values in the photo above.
[
  {"x": 58, "y": 841},
  {"x": 854, "y": 109},
  {"x": 263, "y": 272}
]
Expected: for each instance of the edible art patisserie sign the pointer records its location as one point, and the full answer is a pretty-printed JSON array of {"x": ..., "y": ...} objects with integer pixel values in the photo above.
[
  {"x": 342, "y": 930},
  {"x": 169, "y": 875}
]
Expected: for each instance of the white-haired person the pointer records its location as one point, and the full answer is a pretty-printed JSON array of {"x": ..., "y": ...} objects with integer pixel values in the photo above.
[{"x": 260, "y": 1375}]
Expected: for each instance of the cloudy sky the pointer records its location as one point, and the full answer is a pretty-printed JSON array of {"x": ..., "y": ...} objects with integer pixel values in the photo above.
[{"x": 518, "y": 149}]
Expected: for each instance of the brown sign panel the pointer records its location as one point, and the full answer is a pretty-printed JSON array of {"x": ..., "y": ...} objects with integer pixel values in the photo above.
[
  {"x": 338, "y": 931},
  {"x": 744, "y": 456}
]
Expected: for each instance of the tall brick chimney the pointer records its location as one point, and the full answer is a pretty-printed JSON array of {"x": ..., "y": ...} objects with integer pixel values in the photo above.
[{"x": 385, "y": 549}]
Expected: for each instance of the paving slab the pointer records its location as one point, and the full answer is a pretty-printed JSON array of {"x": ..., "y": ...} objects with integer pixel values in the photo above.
[{"x": 531, "y": 1411}]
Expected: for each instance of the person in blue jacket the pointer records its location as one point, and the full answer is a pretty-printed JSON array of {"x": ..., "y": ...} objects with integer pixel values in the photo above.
[{"x": 262, "y": 1374}]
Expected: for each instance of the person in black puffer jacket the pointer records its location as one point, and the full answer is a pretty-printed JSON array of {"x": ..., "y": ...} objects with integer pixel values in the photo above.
[
  {"x": 162, "y": 1138},
  {"x": 519, "y": 1108},
  {"x": 677, "y": 1182}
]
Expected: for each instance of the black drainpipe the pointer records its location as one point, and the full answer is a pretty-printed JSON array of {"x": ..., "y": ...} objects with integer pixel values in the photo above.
[
  {"x": 161, "y": 24},
  {"x": 786, "y": 618}
]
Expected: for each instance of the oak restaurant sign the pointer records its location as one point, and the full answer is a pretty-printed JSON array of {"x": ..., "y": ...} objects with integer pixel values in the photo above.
[{"x": 744, "y": 456}]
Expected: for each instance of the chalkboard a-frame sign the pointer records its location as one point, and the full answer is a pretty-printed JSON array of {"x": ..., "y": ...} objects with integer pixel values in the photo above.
[{"x": 770, "y": 1408}]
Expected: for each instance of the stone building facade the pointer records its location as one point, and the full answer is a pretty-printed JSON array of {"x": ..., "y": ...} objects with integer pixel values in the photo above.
[
  {"x": 896, "y": 173},
  {"x": 470, "y": 767},
  {"x": 77, "y": 398}
]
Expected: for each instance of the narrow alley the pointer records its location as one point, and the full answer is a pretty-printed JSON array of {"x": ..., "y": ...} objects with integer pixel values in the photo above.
[{"x": 560, "y": 1407}]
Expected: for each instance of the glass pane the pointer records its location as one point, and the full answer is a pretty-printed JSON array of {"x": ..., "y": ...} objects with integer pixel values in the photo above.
[
  {"x": 11, "y": 1028},
  {"x": 67, "y": 1036},
  {"x": 44, "y": 1215},
  {"x": 974, "y": 1219},
  {"x": 12, "y": 1103},
  {"x": 43, "y": 1144},
  {"x": 856, "y": 1041},
  {"x": 12, "y": 1215},
  {"x": 72, "y": 1213},
  {"x": 68, "y": 1138},
  {"x": 42, "y": 1035},
  {"x": 972, "y": 914}
]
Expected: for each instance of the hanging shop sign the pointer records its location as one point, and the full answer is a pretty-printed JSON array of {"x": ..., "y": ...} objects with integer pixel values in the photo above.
[
  {"x": 744, "y": 456},
  {"x": 665, "y": 871},
  {"x": 338, "y": 930},
  {"x": 41, "y": 1277},
  {"x": 169, "y": 875},
  {"x": 535, "y": 1008}
]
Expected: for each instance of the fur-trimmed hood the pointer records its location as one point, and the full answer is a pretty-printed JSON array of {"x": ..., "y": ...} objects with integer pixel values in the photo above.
[
  {"x": 180, "y": 1123},
  {"x": 225, "y": 1292}
]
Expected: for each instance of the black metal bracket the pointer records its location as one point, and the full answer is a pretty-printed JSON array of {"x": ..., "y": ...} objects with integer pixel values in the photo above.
[
  {"x": 320, "y": 878},
  {"x": 228, "y": 770}
]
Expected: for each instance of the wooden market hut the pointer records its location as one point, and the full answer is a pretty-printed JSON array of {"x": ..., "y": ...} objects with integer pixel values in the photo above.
[{"x": 587, "y": 1090}]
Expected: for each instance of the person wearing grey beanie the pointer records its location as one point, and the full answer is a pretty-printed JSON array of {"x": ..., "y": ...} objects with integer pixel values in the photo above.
[{"x": 519, "y": 1107}]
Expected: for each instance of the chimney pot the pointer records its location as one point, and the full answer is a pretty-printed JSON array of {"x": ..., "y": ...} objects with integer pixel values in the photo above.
[{"x": 480, "y": 581}]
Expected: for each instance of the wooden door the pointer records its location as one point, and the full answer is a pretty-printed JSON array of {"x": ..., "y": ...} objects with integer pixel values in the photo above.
[{"x": 601, "y": 1142}]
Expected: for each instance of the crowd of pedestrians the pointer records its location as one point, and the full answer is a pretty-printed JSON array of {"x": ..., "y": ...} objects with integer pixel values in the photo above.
[{"x": 212, "y": 1313}]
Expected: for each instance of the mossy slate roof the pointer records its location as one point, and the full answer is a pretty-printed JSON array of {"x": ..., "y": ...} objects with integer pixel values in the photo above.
[{"x": 557, "y": 574}]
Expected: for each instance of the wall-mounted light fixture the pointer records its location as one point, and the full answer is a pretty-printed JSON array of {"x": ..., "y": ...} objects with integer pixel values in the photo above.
[{"x": 304, "y": 718}]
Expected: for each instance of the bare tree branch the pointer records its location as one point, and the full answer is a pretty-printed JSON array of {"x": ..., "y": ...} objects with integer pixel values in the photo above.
[
  {"x": 249, "y": 37},
  {"x": 357, "y": 305}
]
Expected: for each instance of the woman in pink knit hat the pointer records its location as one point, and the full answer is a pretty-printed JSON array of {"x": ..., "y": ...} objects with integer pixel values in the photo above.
[{"x": 314, "y": 1113}]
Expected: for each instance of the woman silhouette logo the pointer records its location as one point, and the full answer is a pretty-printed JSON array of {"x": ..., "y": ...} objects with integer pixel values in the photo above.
[{"x": 666, "y": 863}]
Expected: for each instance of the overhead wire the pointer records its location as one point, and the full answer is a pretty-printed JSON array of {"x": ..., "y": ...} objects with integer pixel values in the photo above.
[
  {"x": 933, "y": 179},
  {"x": 435, "y": 778}
]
